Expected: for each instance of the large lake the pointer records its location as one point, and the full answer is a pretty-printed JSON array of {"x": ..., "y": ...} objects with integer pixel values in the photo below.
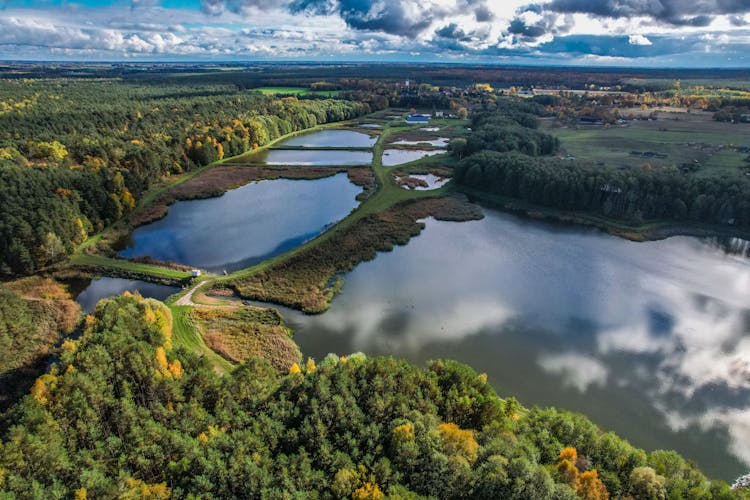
[
  {"x": 651, "y": 340},
  {"x": 246, "y": 225}
]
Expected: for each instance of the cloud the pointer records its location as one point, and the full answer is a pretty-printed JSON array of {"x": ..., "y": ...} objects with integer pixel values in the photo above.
[
  {"x": 674, "y": 12},
  {"x": 639, "y": 40},
  {"x": 576, "y": 370},
  {"x": 406, "y": 18}
]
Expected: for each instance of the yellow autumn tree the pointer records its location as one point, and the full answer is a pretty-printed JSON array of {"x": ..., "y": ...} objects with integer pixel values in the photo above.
[
  {"x": 310, "y": 366},
  {"x": 368, "y": 491},
  {"x": 132, "y": 489},
  {"x": 590, "y": 487},
  {"x": 459, "y": 442}
]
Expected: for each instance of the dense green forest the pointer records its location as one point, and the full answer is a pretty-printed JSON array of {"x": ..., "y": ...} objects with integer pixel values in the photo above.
[
  {"x": 506, "y": 155},
  {"x": 76, "y": 155},
  {"x": 123, "y": 414}
]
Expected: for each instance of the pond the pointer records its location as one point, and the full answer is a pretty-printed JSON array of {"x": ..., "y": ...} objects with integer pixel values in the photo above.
[
  {"x": 650, "y": 340},
  {"x": 311, "y": 157},
  {"x": 440, "y": 142},
  {"x": 102, "y": 288},
  {"x": 331, "y": 139},
  {"x": 393, "y": 157},
  {"x": 245, "y": 225},
  {"x": 432, "y": 181}
]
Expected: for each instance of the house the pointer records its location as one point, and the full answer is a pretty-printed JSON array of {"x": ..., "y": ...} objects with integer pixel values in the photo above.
[
  {"x": 418, "y": 119},
  {"x": 195, "y": 273}
]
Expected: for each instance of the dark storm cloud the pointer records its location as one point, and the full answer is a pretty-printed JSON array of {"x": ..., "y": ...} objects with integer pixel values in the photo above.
[
  {"x": 451, "y": 31},
  {"x": 674, "y": 12},
  {"x": 547, "y": 22},
  {"x": 406, "y": 18}
]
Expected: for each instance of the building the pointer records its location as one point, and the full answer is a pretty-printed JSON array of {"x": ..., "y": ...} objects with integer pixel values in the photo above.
[
  {"x": 195, "y": 273},
  {"x": 418, "y": 119}
]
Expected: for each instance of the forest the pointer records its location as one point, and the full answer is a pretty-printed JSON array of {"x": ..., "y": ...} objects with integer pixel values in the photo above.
[
  {"x": 123, "y": 414},
  {"x": 77, "y": 155},
  {"x": 505, "y": 154}
]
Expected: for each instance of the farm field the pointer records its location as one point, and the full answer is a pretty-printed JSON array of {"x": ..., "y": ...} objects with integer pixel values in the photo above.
[
  {"x": 690, "y": 141},
  {"x": 296, "y": 91}
]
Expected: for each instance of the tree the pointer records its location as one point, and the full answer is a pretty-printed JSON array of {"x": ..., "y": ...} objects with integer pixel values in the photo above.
[{"x": 646, "y": 484}]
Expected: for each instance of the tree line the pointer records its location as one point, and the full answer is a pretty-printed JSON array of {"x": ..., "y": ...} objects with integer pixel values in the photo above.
[
  {"x": 505, "y": 154},
  {"x": 77, "y": 155},
  {"x": 124, "y": 414}
]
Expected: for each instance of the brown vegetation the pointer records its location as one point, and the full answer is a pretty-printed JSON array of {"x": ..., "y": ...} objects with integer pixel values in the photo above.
[
  {"x": 238, "y": 334},
  {"x": 307, "y": 280},
  {"x": 35, "y": 313}
]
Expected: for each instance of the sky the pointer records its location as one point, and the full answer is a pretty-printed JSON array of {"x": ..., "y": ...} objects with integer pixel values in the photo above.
[{"x": 647, "y": 33}]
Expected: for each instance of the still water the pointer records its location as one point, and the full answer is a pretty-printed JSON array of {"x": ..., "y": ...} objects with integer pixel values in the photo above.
[
  {"x": 314, "y": 157},
  {"x": 102, "y": 288},
  {"x": 393, "y": 157},
  {"x": 331, "y": 139},
  {"x": 245, "y": 225},
  {"x": 651, "y": 340}
]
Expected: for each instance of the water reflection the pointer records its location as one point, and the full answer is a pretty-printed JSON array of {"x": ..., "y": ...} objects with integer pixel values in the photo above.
[
  {"x": 313, "y": 157},
  {"x": 393, "y": 157},
  {"x": 102, "y": 288},
  {"x": 648, "y": 339},
  {"x": 245, "y": 225},
  {"x": 332, "y": 138}
]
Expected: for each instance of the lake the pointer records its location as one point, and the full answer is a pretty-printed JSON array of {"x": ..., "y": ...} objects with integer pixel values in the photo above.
[
  {"x": 650, "y": 340},
  {"x": 331, "y": 139},
  {"x": 102, "y": 288},
  {"x": 246, "y": 225}
]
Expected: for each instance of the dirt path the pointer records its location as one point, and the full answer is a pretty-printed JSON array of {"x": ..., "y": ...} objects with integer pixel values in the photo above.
[{"x": 187, "y": 299}]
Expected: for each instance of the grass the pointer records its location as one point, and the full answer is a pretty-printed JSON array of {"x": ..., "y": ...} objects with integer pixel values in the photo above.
[
  {"x": 693, "y": 140},
  {"x": 105, "y": 264},
  {"x": 241, "y": 333},
  {"x": 186, "y": 335},
  {"x": 297, "y": 91}
]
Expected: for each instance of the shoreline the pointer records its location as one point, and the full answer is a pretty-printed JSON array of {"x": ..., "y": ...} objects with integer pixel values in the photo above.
[{"x": 652, "y": 231}]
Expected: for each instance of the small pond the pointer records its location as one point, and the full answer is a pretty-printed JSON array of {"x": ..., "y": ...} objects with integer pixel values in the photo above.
[
  {"x": 331, "y": 139},
  {"x": 312, "y": 157},
  {"x": 432, "y": 181},
  {"x": 102, "y": 288},
  {"x": 440, "y": 142},
  {"x": 393, "y": 157}
]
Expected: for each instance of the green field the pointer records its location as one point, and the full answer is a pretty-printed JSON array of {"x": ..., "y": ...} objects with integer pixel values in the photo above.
[
  {"x": 708, "y": 147},
  {"x": 297, "y": 91}
]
